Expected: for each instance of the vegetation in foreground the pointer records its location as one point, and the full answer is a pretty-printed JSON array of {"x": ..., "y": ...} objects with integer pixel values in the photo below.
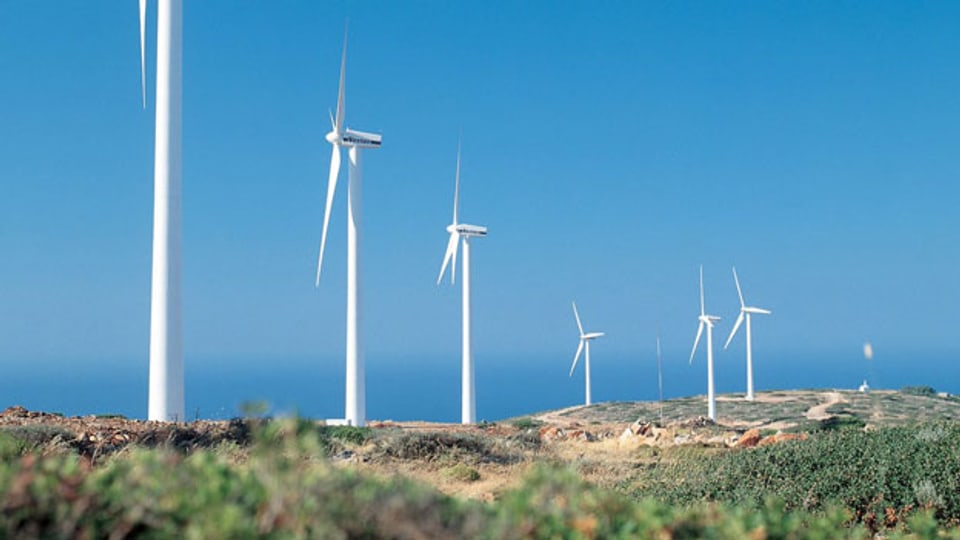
[
  {"x": 283, "y": 487},
  {"x": 861, "y": 468},
  {"x": 881, "y": 477}
]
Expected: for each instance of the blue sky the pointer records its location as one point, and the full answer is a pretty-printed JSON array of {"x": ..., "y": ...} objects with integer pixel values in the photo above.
[{"x": 610, "y": 148}]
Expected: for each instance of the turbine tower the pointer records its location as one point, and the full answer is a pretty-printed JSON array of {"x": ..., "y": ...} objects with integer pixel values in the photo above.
[
  {"x": 463, "y": 232},
  {"x": 585, "y": 339},
  {"x": 354, "y": 141},
  {"x": 745, "y": 313},
  {"x": 166, "y": 399},
  {"x": 706, "y": 321}
]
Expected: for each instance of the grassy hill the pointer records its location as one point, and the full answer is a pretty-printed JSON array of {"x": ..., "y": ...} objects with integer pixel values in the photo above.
[{"x": 789, "y": 409}]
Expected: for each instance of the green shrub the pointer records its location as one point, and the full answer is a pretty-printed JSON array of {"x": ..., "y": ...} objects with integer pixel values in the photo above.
[
  {"x": 429, "y": 446},
  {"x": 38, "y": 436},
  {"x": 110, "y": 416},
  {"x": 462, "y": 473},
  {"x": 526, "y": 423},
  {"x": 840, "y": 422},
  {"x": 347, "y": 434},
  {"x": 925, "y": 391}
]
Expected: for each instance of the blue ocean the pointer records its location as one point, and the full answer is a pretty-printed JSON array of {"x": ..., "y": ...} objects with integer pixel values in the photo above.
[{"x": 413, "y": 388}]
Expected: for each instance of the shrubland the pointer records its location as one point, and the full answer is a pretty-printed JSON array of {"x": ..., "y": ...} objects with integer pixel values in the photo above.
[
  {"x": 863, "y": 470},
  {"x": 882, "y": 477},
  {"x": 277, "y": 483}
]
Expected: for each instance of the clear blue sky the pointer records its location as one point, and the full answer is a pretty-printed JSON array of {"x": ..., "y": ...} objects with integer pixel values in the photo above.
[{"x": 610, "y": 148}]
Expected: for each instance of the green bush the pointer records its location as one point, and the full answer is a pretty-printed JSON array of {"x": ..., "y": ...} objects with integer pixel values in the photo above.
[
  {"x": 526, "y": 423},
  {"x": 429, "y": 446},
  {"x": 462, "y": 473},
  {"x": 925, "y": 391},
  {"x": 18, "y": 440},
  {"x": 347, "y": 434},
  {"x": 839, "y": 422}
]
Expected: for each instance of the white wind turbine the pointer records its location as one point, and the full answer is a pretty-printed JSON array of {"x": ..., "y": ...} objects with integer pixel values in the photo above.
[
  {"x": 340, "y": 137},
  {"x": 166, "y": 399},
  {"x": 461, "y": 231},
  {"x": 745, "y": 313},
  {"x": 706, "y": 321},
  {"x": 585, "y": 339},
  {"x": 660, "y": 375}
]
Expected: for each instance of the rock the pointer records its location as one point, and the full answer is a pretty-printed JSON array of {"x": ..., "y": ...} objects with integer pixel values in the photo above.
[
  {"x": 781, "y": 437},
  {"x": 749, "y": 439},
  {"x": 641, "y": 428},
  {"x": 698, "y": 422},
  {"x": 15, "y": 411},
  {"x": 550, "y": 433},
  {"x": 581, "y": 435}
]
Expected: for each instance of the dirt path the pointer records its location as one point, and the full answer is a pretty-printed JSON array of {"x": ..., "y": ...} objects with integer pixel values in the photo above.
[
  {"x": 819, "y": 412},
  {"x": 557, "y": 418}
]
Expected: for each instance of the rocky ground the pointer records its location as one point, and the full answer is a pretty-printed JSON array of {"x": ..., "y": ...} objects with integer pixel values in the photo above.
[{"x": 605, "y": 442}]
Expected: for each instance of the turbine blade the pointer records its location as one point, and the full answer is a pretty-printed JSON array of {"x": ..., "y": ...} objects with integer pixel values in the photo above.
[
  {"x": 739, "y": 291},
  {"x": 143, "y": 52},
  {"x": 456, "y": 190},
  {"x": 450, "y": 253},
  {"x": 341, "y": 106},
  {"x": 696, "y": 341},
  {"x": 736, "y": 326},
  {"x": 331, "y": 189},
  {"x": 576, "y": 357},
  {"x": 577, "y": 315},
  {"x": 702, "y": 308}
]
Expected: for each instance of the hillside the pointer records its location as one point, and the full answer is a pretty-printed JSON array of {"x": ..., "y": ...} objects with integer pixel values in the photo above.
[
  {"x": 879, "y": 460},
  {"x": 607, "y": 442}
]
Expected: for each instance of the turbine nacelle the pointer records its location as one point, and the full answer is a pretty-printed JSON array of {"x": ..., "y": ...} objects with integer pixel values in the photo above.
[
  {"x": 468, "y": 230},
  {"x": 360, "y": 139},
  {"x": 708, "y": 319},
  {"x": 758, "y": 311},
  {"x": 592, "y": 335}
]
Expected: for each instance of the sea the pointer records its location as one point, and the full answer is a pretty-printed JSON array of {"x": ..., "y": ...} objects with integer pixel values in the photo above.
[{"x": 428, "y": 388}]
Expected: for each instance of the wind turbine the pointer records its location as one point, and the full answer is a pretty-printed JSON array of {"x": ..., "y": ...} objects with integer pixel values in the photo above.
[
  {"x": 745, "y": 313},
  {"x": 343, "y": 137},
  {"x": 706, "y": 321},
  {"x": 165, "y": 399},
  {"x": 660, "y": 375},
  {"x": 463, "y": 232},
  {"x": 585, "y": 339}
]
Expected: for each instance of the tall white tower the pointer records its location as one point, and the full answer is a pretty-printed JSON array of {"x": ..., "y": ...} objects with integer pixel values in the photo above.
[{"x": 166, "y": 399}]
